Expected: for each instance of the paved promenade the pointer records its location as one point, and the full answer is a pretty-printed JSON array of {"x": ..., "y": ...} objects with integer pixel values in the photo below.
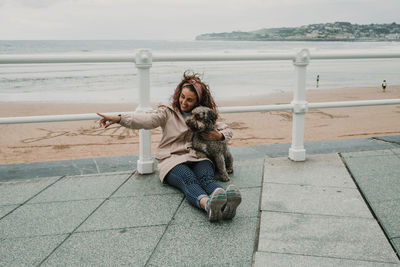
[{"x": 339, "y": 208}]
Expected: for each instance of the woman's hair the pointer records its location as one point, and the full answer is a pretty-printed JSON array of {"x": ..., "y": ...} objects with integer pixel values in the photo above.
[{"x": 187, "y": 80}]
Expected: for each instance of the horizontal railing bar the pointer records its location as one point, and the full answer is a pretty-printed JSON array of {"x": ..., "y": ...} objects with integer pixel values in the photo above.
[
  {"x": 275, "y": 56},
  {"x": 354, "y": 55},
  {"x": 107, "y": 58},
  {"x": 222, "y": 57},
  {"x": 315, "y": 105},
  {"x": 76, "y": 58},
  {"x": 56, "y": 118},
  {"x": 259, "y": 108},
  {"x": 359, "y": 103},
  {"x": 233, "y": 109}
]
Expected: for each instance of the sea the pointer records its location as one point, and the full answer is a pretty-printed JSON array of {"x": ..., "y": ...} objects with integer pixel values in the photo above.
[{"x": 118, "y": 82}]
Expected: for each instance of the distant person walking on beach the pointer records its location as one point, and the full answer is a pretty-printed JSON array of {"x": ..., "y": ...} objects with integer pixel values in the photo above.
[
  {"x": 317, "y": 80},
  {"x": 384, "y": 85},
  {"x": 178, "y": 163}
]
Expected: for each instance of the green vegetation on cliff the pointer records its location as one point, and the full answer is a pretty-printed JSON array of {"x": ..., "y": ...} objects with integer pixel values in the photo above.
[{"x": 337, "y": 31}]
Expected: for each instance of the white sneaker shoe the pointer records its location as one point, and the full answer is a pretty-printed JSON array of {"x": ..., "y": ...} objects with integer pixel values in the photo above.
[
  {"x": 233, "y": 200},
  {"x": 215, "y": 203}
]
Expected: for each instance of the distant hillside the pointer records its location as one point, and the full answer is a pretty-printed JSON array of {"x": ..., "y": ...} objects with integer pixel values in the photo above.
[{"x": 338, "y": 31}]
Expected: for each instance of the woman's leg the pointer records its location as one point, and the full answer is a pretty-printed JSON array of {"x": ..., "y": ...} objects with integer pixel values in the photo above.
[
  {"x": 204, "y": 172},
  {"x": 183, "y": 178}
]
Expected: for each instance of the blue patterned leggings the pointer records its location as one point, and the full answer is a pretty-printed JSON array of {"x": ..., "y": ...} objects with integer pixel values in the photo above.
[{"x": 194, "y": 179}]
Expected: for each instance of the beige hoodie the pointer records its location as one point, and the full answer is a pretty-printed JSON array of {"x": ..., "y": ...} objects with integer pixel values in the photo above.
[{"x": 176, "y": 143}]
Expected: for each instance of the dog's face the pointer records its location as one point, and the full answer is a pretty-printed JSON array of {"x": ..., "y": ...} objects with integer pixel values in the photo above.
[{"x": 202, "y": 119}]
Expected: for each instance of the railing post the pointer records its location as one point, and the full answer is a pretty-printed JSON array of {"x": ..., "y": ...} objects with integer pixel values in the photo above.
[
  {"x": 143, "y": 61},
  {"x": 300, "y": 107}
]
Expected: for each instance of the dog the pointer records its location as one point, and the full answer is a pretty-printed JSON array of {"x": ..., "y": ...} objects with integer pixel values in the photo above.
[{"x": 203, "y": 119}]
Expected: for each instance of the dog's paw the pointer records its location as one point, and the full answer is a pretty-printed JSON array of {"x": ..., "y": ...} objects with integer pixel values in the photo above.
[
  {"x": 224, "y": 177},
  {"x": 229, "y": 170}
]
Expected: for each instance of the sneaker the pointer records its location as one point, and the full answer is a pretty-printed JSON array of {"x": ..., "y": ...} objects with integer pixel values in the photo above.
[
  {"x": 233, "y": 200},
  {"x": 215, "y": 203}
]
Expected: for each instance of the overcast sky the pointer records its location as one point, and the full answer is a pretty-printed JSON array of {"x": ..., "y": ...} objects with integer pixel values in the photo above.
[{"x": 176, "y": 19}]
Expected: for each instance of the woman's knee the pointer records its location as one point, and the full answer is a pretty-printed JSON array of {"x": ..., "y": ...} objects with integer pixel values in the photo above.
[
  {"x": 204, "y": 169},
  {"x": 181, "y": 175}
]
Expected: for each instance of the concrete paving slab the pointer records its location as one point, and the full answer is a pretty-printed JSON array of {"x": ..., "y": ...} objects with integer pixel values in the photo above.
[
  {"x": 245, "y": 153},
  {"x": 314, "y": 200},
  {"x": 391, "y": 139},
  {"x": 116, "y": 164},
  {"x": 278, "y": 259},
  {"x": 332, "y": 235},
  {"x": 67, "y": 167},
  {"x": 47, "y": 169},
  {"x": 346, "y": 145},
  {"x": 372, "y": 153},
  {"x": 377, "y": 175},
  {"x": 133, "y": 212},
  {"x": 327, "y": 147},
  {"x": 82, "y": 187},
  {"x": 274, "y": 150},
  {"x": 248, "y": 208},
  {"x": 373, "y": 165},
  {"x": 324, "y": 236},
  {"x": 140, "y": 185},
  {"x": 396, "y": 151},
  {"x": 6, "y": 209},
  {"x": 122, "y": 247},
  {"x": 377, "y": 189},
  {"x": 388, "y": 214},
  {"x": 207, "y": 244},
  {"x": 248, "y": 162},
  {"x": 246, "y": 174},
  {"x": 27, "y": 251},
  {"x": 377, "y": 182},
  {"x": 318, "y": 170},
  {"x": 46, "y": 218},
  {"x": 17, "y": 192}
]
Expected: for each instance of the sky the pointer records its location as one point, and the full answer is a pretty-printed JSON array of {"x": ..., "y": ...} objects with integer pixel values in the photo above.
[{"x": 176, "y": 19}]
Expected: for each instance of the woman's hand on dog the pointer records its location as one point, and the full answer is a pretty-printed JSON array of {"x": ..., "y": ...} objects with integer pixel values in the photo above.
[{"x": 213, "y": 135}]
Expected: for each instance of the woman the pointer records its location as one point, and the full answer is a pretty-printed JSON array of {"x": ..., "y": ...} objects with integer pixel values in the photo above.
[{"x": 178, "y": 163}]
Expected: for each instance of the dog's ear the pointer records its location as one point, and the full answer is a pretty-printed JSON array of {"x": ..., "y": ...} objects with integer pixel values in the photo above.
[{"x": 212, "y": 115}]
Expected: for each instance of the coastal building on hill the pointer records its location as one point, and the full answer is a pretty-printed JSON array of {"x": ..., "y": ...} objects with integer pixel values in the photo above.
[{"x": 337, "y": 31}]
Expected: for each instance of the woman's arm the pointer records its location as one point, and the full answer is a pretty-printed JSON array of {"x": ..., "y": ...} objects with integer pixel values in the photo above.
[
  {"x": 213, "y": 135},
  {"x": 221, "y": 133},
  {"x": 146, "y": 121},
  {"x": 143, "y": 120}
]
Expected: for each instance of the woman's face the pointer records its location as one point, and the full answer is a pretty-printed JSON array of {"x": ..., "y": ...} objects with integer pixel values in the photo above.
[{"x": 187, "y": 100}]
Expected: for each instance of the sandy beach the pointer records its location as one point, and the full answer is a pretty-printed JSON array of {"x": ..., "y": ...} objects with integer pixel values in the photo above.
[{"x": 85, "y": 139}]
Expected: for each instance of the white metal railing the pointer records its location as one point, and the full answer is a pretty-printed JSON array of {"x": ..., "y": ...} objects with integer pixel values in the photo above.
[
  {"x": 144, "y": 59},
  {"x": 160, "y": 57}
]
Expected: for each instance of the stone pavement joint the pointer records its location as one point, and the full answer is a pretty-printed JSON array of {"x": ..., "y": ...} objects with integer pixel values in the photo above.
[
  {"x": 342, "y": 155},
  {"x": 376, "y": 174},
  {"x": 97, "y": 212},
  {"x": 119, "y": 218},
  {"x": 314, "y": 214},
  {"x": 166, "y": 229},
  {"x": 69, "y": 235},
  {"x": 28, "y": 199}
]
